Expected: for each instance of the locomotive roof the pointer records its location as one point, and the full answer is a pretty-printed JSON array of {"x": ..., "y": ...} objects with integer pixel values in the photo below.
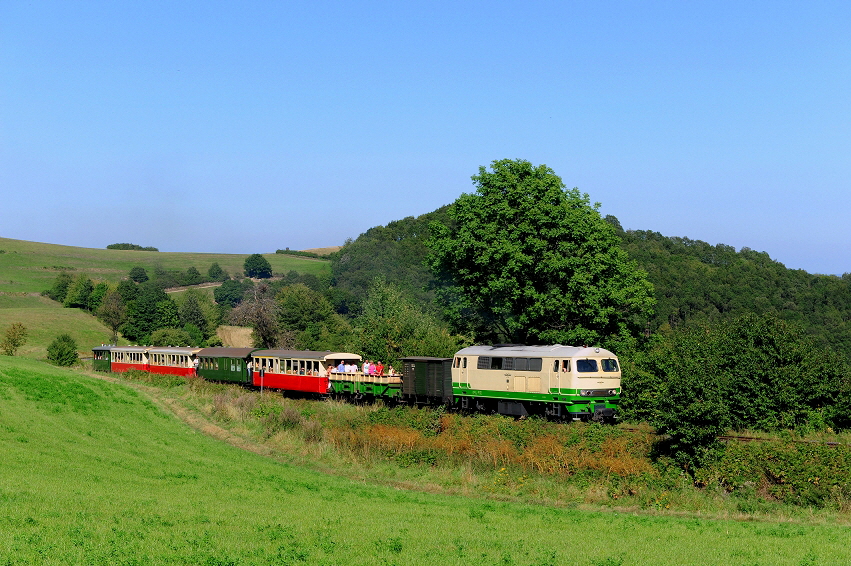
[
  {"x": 306, "y": 354},
  {"x": 220, "y": 352},
  {"x": 553, "y": 351}
]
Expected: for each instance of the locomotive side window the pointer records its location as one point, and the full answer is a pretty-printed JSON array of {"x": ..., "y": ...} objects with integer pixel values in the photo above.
[
  {"x": 520, "y": 364},
  {"x": 496, "y": 363},
  {"x": 555, "y": 366},
  {"x": 464, "y": 363},
  {"x": 484, "y": 362},
  {"x": 610, "y": 365},
  {"x": 586, "y": 366},
  {"x": 565, "y": 365},
  {"x": 536, "y": 364}
]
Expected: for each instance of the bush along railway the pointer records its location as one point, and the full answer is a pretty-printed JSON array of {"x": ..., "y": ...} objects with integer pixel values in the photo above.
[{"x": 558, "y": 382}]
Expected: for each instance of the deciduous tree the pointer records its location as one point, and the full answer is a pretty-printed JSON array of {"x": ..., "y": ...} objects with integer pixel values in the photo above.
[
  {"x": 524, "y": 260},
  {"x": 14, "y": 338},
  {"x": 138, "y": 274},
  {"x": 258, "y": 267},
  {"x": 79, "y": 292},
  {"x": 113, "y": 312}
]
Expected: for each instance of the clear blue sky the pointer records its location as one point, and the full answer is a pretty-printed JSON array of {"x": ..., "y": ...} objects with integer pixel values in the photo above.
[{"x": 249, "y": 126}]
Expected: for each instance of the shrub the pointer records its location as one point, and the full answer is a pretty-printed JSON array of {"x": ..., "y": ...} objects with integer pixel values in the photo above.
[
  {"x": 63, "y": 351},
  {"x": 138, "y": 274},
  {"x": 15, "y": 337}
]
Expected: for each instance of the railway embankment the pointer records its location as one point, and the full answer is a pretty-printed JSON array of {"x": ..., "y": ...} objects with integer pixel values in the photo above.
[{"x": 621, "y": 467}]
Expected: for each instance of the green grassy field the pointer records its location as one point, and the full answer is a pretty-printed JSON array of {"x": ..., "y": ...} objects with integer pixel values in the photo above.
[
  {"x": 94, "y": 472},
  {"x": 46, "y": 319},
  {"x": 32, "y": 266}
]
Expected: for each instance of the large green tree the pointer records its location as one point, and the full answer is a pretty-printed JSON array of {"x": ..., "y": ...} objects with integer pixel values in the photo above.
[
  {"x": 524, "y": 260},
  {"x": 79, "y": 292},
  {"x": 257, "y": 266},
  {"x": 391, "y": 327}
]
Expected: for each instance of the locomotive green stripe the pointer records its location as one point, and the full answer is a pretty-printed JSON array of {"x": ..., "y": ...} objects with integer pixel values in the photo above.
[{"x": 568, "y": 397}]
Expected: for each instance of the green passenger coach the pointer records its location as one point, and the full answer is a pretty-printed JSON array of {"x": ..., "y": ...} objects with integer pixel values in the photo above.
[
  {"x": 225, "y": 364},
  {"x": 563, "y": 382}
]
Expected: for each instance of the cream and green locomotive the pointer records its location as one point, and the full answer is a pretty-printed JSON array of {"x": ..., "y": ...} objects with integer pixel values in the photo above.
[{"x": 565, "y": 382}]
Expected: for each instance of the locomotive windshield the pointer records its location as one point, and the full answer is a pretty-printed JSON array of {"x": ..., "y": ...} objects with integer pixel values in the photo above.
[
  {"x": 610, "y": 365},
  {"x": 586, "y": 366}
]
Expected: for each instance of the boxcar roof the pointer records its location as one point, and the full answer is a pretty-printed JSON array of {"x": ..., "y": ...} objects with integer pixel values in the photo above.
[
  {"x": 220, "y": 352},
  {"x": 554, "y": 351},
  {"x": 306, "y": 354}
]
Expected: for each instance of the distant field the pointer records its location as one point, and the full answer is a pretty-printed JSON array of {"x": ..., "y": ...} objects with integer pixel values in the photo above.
[
  {"x": 324, "y": 251},
  {"x": 32, "y": 266},
  {"x": 121, "y": 481}
]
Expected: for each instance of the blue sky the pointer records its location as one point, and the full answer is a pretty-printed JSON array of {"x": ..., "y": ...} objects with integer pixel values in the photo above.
[{"x": 246, "y": 127}]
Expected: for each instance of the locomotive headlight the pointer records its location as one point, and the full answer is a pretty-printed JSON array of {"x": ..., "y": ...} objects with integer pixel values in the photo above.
[{"x": 612, "y": 392}]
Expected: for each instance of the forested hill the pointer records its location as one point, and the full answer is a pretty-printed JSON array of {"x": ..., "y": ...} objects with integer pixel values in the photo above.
[{"x": 694, "y": 281}]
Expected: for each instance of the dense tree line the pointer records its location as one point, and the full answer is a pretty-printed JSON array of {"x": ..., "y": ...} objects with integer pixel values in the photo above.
[
  {"x": 137, "y": 247},
  {"x": 696, "y": 282}
]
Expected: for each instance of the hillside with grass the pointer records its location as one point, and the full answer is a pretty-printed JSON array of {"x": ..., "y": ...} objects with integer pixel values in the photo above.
[
  {"x": 122, "y": 481},
  {"x": 31, "y": 267},
  {"x": 45, "y": 319}
]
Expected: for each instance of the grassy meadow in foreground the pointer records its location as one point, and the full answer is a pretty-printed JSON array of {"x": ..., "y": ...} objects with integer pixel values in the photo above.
[
  {"x": 32, "y": 266},
  {"x": 95, "y": 473}
]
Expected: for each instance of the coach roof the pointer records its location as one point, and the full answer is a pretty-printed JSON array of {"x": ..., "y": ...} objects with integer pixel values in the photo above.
[
  {"x": 306, "y": 355},
  {"x": 220, "y": 352}
]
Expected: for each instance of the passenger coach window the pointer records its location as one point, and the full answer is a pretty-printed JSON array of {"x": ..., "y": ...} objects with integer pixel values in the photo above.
[
  {"x": 586, "y": 366},
  {"x": 610, "y": 365}
]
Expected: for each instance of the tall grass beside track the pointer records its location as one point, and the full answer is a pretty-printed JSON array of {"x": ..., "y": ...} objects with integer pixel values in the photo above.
[{"x": 95, "y": 472}]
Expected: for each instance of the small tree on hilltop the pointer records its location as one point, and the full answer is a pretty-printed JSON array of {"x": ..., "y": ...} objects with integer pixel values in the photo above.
[
  {"x": 15, "y": 337},
  {"x": 63, "y": 351},
  {"x": 258, "y": 267}
]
